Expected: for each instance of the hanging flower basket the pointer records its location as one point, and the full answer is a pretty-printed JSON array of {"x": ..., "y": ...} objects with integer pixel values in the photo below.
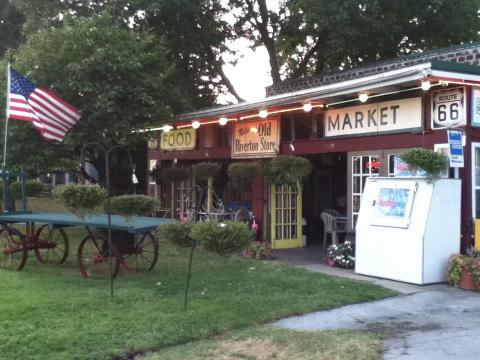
[
  {"x": 205, "y": 170},
  {"x": 288, "y": 170},
  {"x": 242, "y": 174},
  {"x": 433, "y": 163},
  {"x": 169, "y": 175}
]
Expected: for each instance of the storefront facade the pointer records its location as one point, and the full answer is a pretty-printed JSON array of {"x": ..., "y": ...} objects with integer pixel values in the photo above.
[{"x": 351, "y": 126}]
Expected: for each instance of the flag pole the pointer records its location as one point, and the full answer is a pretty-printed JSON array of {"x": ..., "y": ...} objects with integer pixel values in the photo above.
[{"x": 6, "y": 118}]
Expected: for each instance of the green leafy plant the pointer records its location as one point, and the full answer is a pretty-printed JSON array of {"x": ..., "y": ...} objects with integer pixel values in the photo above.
[
  {"x": 176, "y": 233},
  {"x": 469, "y": 262},
  {"x": 342, "y": 255},
  {"x": 222, "y": 238},
  {"x": 242, "y": 174},
  {"x": 170, "y": 174},
  {"x": 132, "y": 205},
  {"x": 433, "y": 163},
  {"x": 259, "y": 250},
  {"x": 204, "y": 170},
  {"x": 32, "y": 188},
  {"x": 80, "y": 199},
  {"x": 288, "y": 170}
]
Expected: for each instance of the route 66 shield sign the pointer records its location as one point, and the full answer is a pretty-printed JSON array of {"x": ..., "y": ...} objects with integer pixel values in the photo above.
[{"x": 448, "y": 108}]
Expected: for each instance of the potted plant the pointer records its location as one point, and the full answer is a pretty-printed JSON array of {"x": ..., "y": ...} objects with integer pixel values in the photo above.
[
  {"x": 288, "y": 170},
  {"x": 206, "y": 170},
  {"x": 464, "y": 270},
  {"x": 80, "y": 199},
  {"x": 433, "y": 163},
  {"x": 342, "y": 255},
  {"x": 242, "y": 174}
]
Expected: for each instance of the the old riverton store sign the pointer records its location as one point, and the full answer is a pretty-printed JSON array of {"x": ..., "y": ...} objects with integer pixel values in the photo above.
[{"x": 256, "y": 139}]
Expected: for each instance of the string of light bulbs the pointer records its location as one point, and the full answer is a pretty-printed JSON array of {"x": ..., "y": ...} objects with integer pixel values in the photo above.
[{"x": 307, "y": 106}]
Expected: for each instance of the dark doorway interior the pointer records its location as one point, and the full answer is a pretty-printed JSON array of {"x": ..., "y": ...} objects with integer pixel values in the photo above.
[{"x": 326, "y": 189}]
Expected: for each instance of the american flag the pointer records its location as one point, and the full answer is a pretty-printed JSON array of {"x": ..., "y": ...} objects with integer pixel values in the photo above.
[{"x": 51, "y": 116}]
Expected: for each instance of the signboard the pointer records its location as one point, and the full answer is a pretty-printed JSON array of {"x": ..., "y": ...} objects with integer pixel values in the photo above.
[
  {"x": 183, "y": 139},
  {"x": 448, "y": 108},
  {"x": 393, "y": 204},
  {"x": 374, "y": 118},
  {"x": 153, "y": 142},
  {"x": 456, "y": 148},
  {"x": 260, "y": 138},
  {"x": 475, "y": 107}
]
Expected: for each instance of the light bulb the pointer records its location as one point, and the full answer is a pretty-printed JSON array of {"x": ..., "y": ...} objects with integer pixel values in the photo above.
[
  {"x": 292, "y": 147},
  {"x": 196, "y": 124},
  {"x": 425, "y": 85},
  {"x": 307, "y": 107},
  {"x": 363, "y": 97},
  {"x": 263, "y": 114},
  {"x": 167, "y": 128},
  {"x": 253, "y": 129},
  {"x": 223, "y": 121}
]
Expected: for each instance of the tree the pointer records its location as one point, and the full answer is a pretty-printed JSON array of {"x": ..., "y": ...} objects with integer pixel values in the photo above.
[
  {"x": 312, "y": 36},
  {"x": 120, "y": 82},
  {"x": 11, "y": 22}
]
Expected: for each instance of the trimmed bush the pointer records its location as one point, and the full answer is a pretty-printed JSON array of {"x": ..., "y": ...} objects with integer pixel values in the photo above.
[
  {"x": 242, "y": 174},
  {"x": 132, "y": 205},
  {"x": 176, "y": 233},
  {"x": 205, "y": 170},
  {"x": 32, "y": 188},
  {"x": 222, "y": 238},
  {"x": 80, "y": 199},
  {"x": 288, "y": 170}
]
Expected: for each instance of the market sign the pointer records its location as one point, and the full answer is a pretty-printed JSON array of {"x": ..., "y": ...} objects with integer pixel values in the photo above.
[
  {"x": 259, "y": 138},
  {"x": 448, "y": 108},
  {"x": 183, "y": 139},
  {"x": 374, "y": 118}
]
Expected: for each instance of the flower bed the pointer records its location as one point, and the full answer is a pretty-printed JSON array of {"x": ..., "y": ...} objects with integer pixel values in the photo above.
[{"x": 342, "y": 255}]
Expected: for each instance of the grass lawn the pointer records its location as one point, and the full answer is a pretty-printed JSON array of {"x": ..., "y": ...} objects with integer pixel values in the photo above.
[
  {"x": 53, "y": 313},
  {"x": 267, "y": 342}
]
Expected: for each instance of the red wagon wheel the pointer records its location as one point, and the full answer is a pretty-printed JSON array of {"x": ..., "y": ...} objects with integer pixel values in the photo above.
[
  {"x": 94, "y": 256},
  {"x": 51, "y": 245},
  {"x": 144, "y": 253},
  {"x": 13, "y": 252}
]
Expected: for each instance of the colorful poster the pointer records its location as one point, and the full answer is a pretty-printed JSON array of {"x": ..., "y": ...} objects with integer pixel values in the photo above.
[
  {"x": 475, "y": 107},
  {"x": 401, "y": 169},
  {"x": 392, "y": 202}
]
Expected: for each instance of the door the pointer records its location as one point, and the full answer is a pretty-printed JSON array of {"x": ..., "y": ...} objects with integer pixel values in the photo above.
[{"x": 286, "y": 205}]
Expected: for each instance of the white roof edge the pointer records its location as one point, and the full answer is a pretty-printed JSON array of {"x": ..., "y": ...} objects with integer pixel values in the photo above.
[{"x": 370, "y": 82}]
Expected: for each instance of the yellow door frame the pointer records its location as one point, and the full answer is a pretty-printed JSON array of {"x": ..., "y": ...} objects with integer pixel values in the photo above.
[{"x": 285, "y": 243}]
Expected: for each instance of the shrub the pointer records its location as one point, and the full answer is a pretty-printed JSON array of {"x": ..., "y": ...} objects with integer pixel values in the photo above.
[
  {"x": 205, "y": 170},
  {"x": 288, "y": 170},
  {"x": 343, "y": 254},
  {"x": 259, "y": 250},
  {"x": 32, "y": 188},
  {"x": 131, "y": 205},
  {"x": 176, "y": 233},
  {"x": 470, "y": 262},
  {"x": 433, "y": 163},
  {"x": 222, "y": 238},
  {"x": 242, "y": 174},
  {"x": 80, "y": 199}
]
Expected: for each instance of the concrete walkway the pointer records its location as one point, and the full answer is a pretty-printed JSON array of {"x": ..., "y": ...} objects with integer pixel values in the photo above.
[{"x": 435, "y": 325}]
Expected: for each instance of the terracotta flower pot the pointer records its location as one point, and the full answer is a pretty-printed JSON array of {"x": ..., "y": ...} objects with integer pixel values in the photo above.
[
  {"x": 466, "y": 281},
  {"x": 330, "y": 262}
]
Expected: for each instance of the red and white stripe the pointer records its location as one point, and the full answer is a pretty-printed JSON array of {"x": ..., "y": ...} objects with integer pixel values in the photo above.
[{"x": 52, "y": 116}]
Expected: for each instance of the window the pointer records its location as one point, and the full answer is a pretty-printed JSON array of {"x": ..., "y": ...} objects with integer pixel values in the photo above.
[{"x": 363, "y": 167}]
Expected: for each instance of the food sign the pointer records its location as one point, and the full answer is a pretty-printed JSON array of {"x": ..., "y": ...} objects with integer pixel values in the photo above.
[{"x": 183, "y": 139}]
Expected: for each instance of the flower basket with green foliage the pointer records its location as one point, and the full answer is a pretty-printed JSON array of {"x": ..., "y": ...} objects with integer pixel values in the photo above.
[
  {"x": 464, "y": 270},
  {"x": 433, "y": 163},
  {"x": 222, "y": 238},
  {"x": 343, "y": 255},
  {"x": 80, "y": 199},
  {"x": 32, "y": 188},
  {"x": 169, "y": 175},
  {"x": 288, "y": 170},
  {"x": 242, "y": 174},
  {"x": 176, "y": 233},
  {"x": 205, "y": 170},
  {"x": 259, "y": 250},
  {"x": 132, "y": 205}
]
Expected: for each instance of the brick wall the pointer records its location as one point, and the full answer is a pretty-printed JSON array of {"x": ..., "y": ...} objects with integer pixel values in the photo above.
[{"x": 465, "y": 54}]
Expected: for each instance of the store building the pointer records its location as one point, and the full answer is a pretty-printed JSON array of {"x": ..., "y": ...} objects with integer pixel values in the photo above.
[{"x": 350, "y": 125}]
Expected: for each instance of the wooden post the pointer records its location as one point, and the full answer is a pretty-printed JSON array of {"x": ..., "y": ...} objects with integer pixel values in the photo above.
[
  {"x": 210, "y": 195},
  {"x": 172, "y": 198}
]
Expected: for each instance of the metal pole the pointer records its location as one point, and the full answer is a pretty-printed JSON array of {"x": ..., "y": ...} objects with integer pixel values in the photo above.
[
  {"x": 188, "y": 277},
  {"x": 6, "y": 118},
  {"x": 109, "y": 216}
]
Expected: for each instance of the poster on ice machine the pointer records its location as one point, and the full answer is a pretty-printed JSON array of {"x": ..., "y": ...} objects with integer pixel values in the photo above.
[{"x": 393, "y": 203}]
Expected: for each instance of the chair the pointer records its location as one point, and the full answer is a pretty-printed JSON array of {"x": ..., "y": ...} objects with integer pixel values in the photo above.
[{"x": 331, "y": 226}]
